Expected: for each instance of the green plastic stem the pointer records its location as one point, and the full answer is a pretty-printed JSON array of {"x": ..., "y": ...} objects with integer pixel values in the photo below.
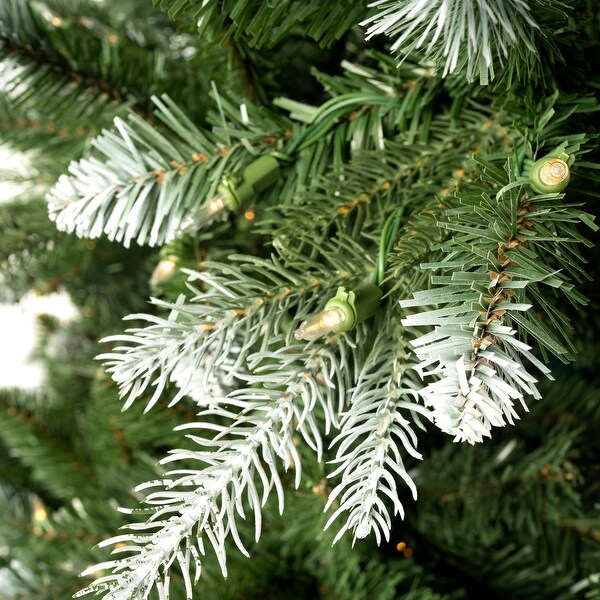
[
  {"x": 255, "y": 178},
  {"x": 357, "y": 305}
]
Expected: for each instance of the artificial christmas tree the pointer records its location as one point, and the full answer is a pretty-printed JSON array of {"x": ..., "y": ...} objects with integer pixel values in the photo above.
[{"x": 375, "y": 227}]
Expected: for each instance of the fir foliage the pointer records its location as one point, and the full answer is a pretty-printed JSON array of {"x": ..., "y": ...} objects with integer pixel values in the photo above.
[
  {"x": 238, "y": 439},
  {"x": 266, "y": 25},
  {"x": 474, "y": 37}
]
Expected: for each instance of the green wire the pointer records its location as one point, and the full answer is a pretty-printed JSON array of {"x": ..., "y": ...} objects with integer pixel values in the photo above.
[
  {"x": 323, "y": 121},
  {"x": 329, "y": 113},
  {"x": 388, "y": 237},
  {"x": 325, "y": 118}
]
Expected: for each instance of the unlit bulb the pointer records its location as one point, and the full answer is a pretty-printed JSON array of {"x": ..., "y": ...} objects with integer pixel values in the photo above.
[
  {"x": 207, "y": 212},
  {"x": 554, "y": 172},
  {"x": 319, "y": 325}
]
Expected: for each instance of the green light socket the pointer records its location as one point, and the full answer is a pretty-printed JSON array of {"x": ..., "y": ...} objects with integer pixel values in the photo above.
[
  {"x": 256, "y": 177},
  {"x": 550, "y": 174},
  {"x": 357, "y": 305}
]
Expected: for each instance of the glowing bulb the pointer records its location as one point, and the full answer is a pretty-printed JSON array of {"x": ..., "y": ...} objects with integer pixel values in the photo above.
[
  {"x": 39, "y": 513},
  {"x": 321, "y": 324},
  {"x": 163, "y": 271},
  {"x": 216, "y": 205},
  {"x": 207, "y": 212}
]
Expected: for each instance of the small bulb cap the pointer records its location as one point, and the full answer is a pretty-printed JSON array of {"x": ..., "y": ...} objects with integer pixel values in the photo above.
[
  {"x": 551, "y": 173},
  {"x": 357, "y": 305}
]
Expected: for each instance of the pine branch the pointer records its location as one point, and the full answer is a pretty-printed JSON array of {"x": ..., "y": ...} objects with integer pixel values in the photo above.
[
  {"x": 76, "y": 66},
  {"x": 456, "y": 35},
  {"x": 147, "y": 180},
  {"x": 264, "y": 421},
  {"x": 122, "y": 446},
  {"x": 267, "y": 25},
  {"x": 53, "y": 463},
  {"x": 354, "y": 202},
  {"x": 36, "y": 98},
  {"x": 537, "y": 486},
  {"x": 418, "y": 238},
  {"x": 142, "y": 182},
  {"x": 236, "y": 313},
  {"x": 373, "y": 430},
  {"x": 498, "y": 260},
  {"x": 90, "y": 200},
  {"x": 201, "y": 500},
  {"x": 239, "y": 314},
  {"x": 41, "y": 538}
]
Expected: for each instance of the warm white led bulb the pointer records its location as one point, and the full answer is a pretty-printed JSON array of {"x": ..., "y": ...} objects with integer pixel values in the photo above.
[
  {"x": 163, "y": 271},
  {"x": 321, "y": 324},
  {"x": 207, "y": 212},
  {"x": 39, "y": 513}
]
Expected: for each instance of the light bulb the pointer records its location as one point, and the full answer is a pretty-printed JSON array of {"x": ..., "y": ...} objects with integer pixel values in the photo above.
[
  {"x": 551, "y": 173},
  {"x": 207, "y": 212},
  {"x": 39, "y": 513},
  {"x": 163, "y": 271},
  {"x": 321, "y": 324}
]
